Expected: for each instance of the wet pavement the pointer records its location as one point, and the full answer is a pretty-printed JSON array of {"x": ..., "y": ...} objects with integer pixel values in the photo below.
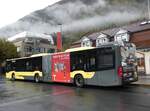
[
  {"x": 30, "y": 96},
  {"x": 143, "y": 80}
]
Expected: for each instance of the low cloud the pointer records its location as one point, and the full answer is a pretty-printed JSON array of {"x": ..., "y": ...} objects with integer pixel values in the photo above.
[{"x": 79, "y": 15}]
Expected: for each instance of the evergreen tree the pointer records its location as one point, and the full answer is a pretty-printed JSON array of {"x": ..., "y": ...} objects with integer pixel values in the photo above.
[{"x": 7, "y": 50}]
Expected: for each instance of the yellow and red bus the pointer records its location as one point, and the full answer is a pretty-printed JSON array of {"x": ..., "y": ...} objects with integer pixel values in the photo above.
[{"x": 108, "y": 65}]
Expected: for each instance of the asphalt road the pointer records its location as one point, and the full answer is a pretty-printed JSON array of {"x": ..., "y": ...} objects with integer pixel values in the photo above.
[{"x": 30, "y": 96}]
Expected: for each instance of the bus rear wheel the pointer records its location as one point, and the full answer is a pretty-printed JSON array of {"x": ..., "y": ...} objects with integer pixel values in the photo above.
[
  {"x": 79, "y": 80},
  {"x": 37, "y": 78},
  {"x": 13, "y": 77}
]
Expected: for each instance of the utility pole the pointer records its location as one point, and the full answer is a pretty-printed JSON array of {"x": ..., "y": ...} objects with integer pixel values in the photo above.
[
  {"x": 59, "y": 39},
  {"x": 148, "y": 6},
  {"x": 60, "y": 28}
]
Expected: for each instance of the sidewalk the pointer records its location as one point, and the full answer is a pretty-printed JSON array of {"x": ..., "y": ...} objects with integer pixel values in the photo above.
[{"x": 144, "y": 80}]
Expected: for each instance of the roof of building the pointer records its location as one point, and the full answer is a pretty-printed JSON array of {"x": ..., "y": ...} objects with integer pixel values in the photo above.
[
  {"x": 132, "y": 28},
  {"x": 42, "y": 40},
  {"x": 26, "y": 34}
]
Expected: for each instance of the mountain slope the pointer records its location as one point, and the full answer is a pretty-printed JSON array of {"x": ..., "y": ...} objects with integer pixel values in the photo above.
[{"x": 78, "y": 15}]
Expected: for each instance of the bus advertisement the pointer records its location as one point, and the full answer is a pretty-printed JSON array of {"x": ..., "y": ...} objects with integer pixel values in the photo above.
[{"x": 109, "y": 65}]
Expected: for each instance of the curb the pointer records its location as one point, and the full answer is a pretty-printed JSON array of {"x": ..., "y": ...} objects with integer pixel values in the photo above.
[{"x": 136, "y": 84}]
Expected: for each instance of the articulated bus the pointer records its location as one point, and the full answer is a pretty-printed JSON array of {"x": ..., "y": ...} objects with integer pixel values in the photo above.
[{"x": 108, "y": 65}]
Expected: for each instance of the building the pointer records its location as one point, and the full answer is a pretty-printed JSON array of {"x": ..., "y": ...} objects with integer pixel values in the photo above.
[
  {"x": 137, "y": 33},
  {"x": 28, "y": 43}
]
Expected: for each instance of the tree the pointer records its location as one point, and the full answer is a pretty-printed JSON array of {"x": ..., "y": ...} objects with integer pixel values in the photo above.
[{"x": 7, "y": 50}]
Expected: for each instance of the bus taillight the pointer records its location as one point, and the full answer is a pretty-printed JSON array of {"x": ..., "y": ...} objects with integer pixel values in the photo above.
[{"x": 120, "y": 71}]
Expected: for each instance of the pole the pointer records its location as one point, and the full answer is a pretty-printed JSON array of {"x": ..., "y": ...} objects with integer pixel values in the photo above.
[
  {"x": 148, "y": 6},
  {"x": 61, "y": 28},
  {"x": 61, "y": 35}
]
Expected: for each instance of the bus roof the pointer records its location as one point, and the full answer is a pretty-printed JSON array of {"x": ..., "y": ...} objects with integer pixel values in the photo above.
[
  {"x": 36, "y": 55},
  {"x": 110, "y": 44},
  {"x": 41, "y": 54},
  {"x": 17, "y": 58},
  {"x": 79, "y": 49}
]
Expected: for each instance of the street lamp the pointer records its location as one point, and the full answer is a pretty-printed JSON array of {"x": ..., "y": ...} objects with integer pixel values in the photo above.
[
  {"x": 148, "y": 7},
  {"x": 59, "y": 38},
  {"x": 60, "y": 27}
]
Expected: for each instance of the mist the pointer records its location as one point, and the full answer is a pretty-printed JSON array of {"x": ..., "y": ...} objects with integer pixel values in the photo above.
[{"x": 79, "y": 15}]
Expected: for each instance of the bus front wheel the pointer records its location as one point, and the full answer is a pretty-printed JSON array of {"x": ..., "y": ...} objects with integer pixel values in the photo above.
[
  {"x": 13, "y": 77},
  {"x": 79, "y": 80},
  {"x": 37, "y": 78}
]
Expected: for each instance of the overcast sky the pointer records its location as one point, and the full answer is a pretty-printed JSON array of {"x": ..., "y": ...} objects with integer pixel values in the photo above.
[{"x": 12, "y": 10}]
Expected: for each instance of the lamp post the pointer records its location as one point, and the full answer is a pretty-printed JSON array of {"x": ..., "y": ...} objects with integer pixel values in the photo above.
[
  {"x": 148, "y": 7},
  {"x": 60, "y": 25},
  {"x": 59, "y": 39}
]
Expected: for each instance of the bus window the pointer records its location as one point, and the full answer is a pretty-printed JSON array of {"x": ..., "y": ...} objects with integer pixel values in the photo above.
[
  {"x": 36, "y": 63},
  {"x": 77, "y": 61},
  {"x": 73, "y": 66},
  {"x": 105, "y": 58},
  {"x": 92, "y": 62},
  {"x": 85, "y": 60},
  {"x": 29, "y": 66},
  {"x": 8, "y": 66},
  {"x": 20, "y": 65}
]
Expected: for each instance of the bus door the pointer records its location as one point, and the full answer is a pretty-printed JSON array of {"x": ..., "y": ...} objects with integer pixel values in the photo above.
[
  {"x": 106, "y": 65},
  {"x": 46, "y": 68},
  {"x": 61, "y": 67}
]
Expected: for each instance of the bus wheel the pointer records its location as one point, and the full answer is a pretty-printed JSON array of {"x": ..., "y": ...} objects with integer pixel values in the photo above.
[
  {"x": 37, "y": 78},
  {"x": 13, "y": 77},
  {"x": 79, "y": 80}
]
